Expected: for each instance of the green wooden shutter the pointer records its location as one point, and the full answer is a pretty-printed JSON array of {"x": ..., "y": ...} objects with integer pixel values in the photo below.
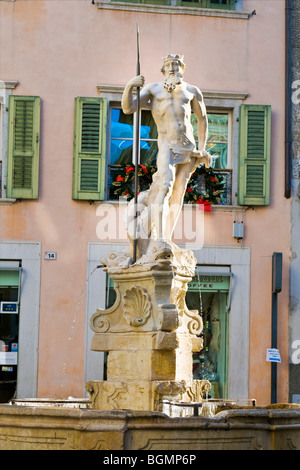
[
  {"x": 254, "y": 157},
  {"x": 89, "y": 148},
  {"x": 23, "y": 147}
]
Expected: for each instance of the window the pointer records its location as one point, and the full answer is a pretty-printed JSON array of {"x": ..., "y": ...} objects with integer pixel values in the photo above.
[
  {"x": 122, "y": 145},
  {"x": 23, "y": 147},
  {"x": 238, "y": 139},
  {"x": 120, "y": 180},
  {"x": 215, "y": 4},
  {"x": 219, "y": 146}
]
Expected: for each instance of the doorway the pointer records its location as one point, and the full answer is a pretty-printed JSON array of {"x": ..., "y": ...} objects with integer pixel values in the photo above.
[
  {"x": 9, "y": 333},
  {"x": 209, "y": 295}
]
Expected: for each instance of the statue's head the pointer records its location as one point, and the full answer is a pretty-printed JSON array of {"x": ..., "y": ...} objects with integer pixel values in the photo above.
[
  {"x": 172, "y": 59},
  {"x": 173, "y": 68}
]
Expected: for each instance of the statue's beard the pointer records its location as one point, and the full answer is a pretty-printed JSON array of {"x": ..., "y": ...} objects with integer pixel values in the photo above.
[{"x": 172, "y": 81}]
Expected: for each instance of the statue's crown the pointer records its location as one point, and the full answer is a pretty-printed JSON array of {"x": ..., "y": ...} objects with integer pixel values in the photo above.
[{"x": 173, "y": 57}]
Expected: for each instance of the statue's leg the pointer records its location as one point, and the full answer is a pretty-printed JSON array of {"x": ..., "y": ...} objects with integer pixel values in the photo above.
[
  {"x": 182, "y": 177},
  {"x": 160, "y": 196}
]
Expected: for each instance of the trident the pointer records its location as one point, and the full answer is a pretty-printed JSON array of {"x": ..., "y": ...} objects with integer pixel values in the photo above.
[{"x": 137, "y": 150}]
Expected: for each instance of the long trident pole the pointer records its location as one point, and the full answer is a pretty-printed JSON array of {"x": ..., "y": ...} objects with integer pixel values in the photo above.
[{"x": 137, "y": 149}]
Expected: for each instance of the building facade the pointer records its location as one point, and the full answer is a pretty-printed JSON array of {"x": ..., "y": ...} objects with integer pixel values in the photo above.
[{"x": 66, "y": 160}]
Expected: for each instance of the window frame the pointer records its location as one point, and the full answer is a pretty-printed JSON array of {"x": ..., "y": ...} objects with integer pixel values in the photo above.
[
  {"x": 230, "y": 5},
  {"x": 229, "y": 102},
  {"x": 173, "y": 8}
]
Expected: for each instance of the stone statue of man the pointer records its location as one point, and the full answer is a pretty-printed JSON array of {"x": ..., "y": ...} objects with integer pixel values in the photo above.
[{"x": 171, "y": 102}]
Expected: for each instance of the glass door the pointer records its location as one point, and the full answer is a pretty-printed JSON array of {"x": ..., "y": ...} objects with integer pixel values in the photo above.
[
  {"x": 209, "y": 295},
  {"x": 9, "y": 333}
]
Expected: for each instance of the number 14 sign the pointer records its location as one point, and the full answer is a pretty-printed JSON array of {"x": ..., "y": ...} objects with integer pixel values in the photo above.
[{"x": 50, "y": 255}]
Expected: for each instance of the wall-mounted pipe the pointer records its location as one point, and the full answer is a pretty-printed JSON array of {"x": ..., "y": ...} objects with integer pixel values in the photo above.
[{"x": 288, "y": 99}]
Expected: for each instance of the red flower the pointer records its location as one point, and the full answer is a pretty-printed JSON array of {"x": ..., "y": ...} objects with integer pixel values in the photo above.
[
  {"x": 204, "y": 205},
  {"x": 144, "y": 169},
  {"x": 189, "y": 190},
  {"x": 212, "y": 178},
  {"x": 129, "y": 168},
  {"x": 120, "y": 178},
  {"x": 207, "y": 206}
]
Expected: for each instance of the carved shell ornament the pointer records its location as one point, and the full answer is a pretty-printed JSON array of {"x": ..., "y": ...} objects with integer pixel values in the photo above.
[{"x": 137, "y": 306}]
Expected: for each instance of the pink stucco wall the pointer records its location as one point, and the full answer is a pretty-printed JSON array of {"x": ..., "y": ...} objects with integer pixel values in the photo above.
[{"x": 62, "y": 49}]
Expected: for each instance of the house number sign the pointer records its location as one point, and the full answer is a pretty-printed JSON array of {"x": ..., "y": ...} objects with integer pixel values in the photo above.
[{"x": 50, "y": 255}]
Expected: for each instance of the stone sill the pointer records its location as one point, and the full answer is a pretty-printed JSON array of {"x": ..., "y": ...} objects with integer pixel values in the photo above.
[
  {"x": 7, "y": 202},
  {"x": 218, "y": 208},
  {"x": 214, "y": 207},
  {"x": 173, "y": 10}
]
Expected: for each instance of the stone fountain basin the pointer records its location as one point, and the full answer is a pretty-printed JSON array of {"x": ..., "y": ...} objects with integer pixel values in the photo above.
[{"x": 43, "y": 427}]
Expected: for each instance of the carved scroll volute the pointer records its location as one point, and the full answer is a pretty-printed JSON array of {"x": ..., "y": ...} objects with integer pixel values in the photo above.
[
  {"x": 195, "y": 325},
  {"x": 190, "y": 318},
  {"x": 99, "y": 322},
  {"x": 137, "y": 306}
]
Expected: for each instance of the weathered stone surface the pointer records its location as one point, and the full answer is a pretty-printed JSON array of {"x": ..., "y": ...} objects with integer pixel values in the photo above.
[
  {"x": 38, "y": 428},
  {"x": 158, "y": 340},
  {"x": 142, "y": 394},
  {"x": 150, "y": 335}
]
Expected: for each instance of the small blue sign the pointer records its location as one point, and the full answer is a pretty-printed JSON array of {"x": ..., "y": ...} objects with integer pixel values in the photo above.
[
  {"x": 273, "y": 355},
  {"x": 9, "y": 307}
]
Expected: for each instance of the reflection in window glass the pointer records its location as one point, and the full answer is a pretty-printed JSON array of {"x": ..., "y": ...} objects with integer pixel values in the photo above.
[
  {"x": 217, "y": 141},
  {"x": 122, "y": 140},
  {"x": 221, "y": 2}
]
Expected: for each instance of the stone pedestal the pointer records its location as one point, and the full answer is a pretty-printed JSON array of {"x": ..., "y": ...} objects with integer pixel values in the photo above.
[{"x": 150, "y": 335}]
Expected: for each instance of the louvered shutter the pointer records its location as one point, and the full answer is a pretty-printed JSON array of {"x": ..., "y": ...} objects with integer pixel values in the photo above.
[
  {"x": 89, "y": 148},
  {"x": 254, "y": 156},
  {"x": 23, "y": 147}
]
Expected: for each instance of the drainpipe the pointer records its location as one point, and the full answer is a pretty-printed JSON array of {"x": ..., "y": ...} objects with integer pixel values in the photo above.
[
  {"x": 288, "y": 100},
  {"x": 276, "y": 288}
]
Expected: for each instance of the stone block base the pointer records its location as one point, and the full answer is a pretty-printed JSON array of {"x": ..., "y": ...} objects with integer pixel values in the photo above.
[{"x": 143, "y": 395}]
